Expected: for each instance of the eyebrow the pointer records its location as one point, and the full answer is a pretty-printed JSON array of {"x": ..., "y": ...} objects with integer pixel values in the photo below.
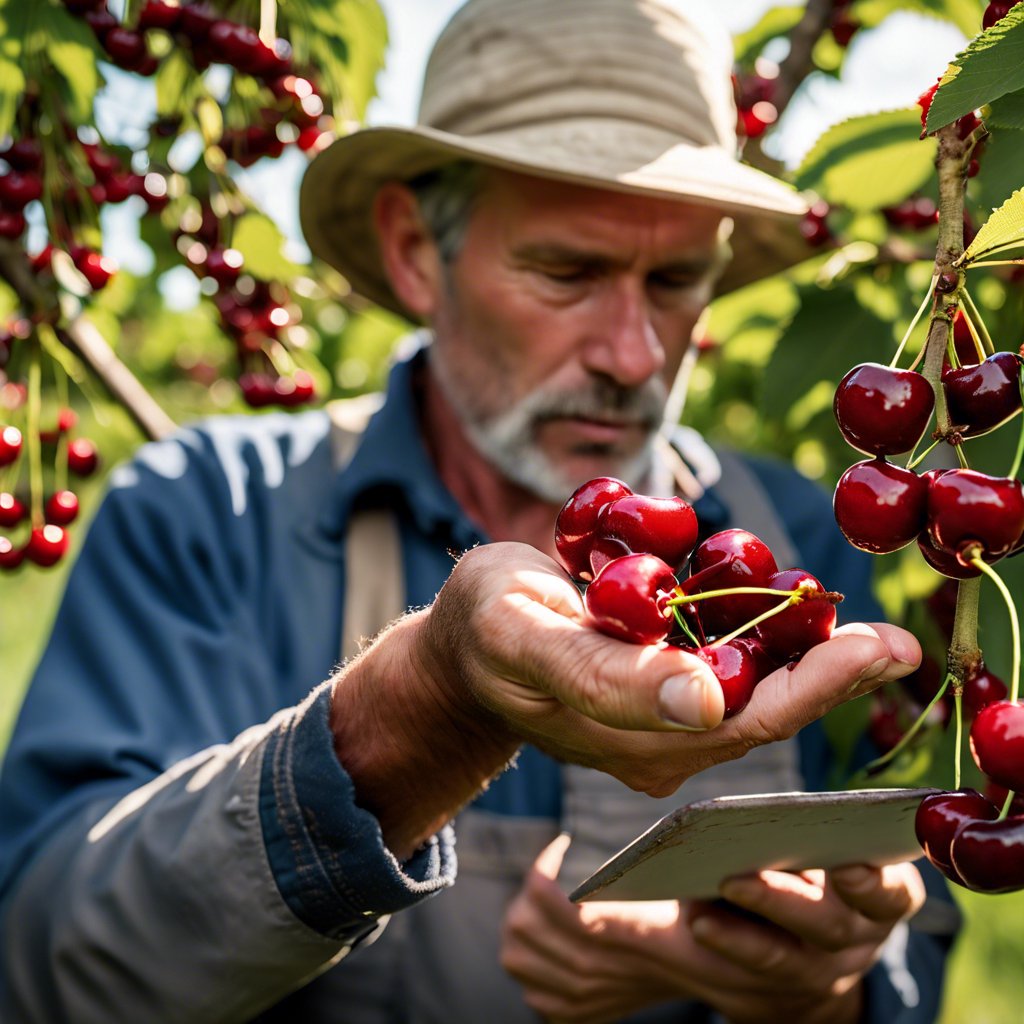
[{"x": 558, "y": 254}]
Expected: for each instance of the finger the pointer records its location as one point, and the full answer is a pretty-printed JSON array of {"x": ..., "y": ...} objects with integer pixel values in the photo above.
[
  {"x": 904, "y": 647},
  {"x": 762, "y": 950},
  {"x": 886, "y": 894},
  {"x": 549, "y": 860}
]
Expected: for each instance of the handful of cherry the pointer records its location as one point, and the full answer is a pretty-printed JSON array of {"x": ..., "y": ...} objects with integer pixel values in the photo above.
[{"x": 734, "y": 609}]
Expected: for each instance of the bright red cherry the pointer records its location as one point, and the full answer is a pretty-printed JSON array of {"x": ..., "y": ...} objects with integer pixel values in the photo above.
[
  {"x": 880, "y": 507},
  {"x": 66, "y": 420},
  {"x": 93, "y": 266},
  {"x": 982, "y": 688},
  {"x": 966, "y": 507},
  {"x": 258, "y": 389},
  {"x": 574, "y": 527},
  {"x": 47, "y": 545},
  {"x": 801, "y": 626},
  {"x": 997, "y": 743},
  {"x": 62, "y": 508},
  {"x": 742, "y": 560},
  {"x": 12, "y": 510},
  {"x": 938, "y": 817},
  {"x": 666, "y": 527},
  {"x": 10, "y": 445},
  {"x": 739, "y": 665},
  {"x": 627, "y": 599},
  {"x": 983, "y": 396},
  {"x": 10, "y": 556},
  {"x": 882, "y": 410},
  {"x": 17, "y": 190},
  {"x": 223, "y": 265},
  {"x": 989, "y": 855},
  {"x": 83, "y": 458},
  {"x": 159, "y": 14}
]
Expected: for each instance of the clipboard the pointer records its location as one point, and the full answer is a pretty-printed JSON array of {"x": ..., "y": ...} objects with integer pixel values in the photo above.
[{"x": 689, "y": 852}]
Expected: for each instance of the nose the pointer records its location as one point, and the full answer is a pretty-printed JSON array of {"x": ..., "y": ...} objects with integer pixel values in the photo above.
[{"x": 623, "y": 344}]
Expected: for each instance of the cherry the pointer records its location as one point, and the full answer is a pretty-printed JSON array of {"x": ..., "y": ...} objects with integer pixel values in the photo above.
[
  {"x": 96, "y": 268},
  {"x": 62, "y": 508},
  {"x": 83, "y": 459},
  {"x": 944, "y": 562},
  {"x": 223, "y": 265},
  {"x": 801, "y": 626},
  {"x": 730, "y": 558},
  {"x": 81, "y": 6},
  {"x": 10, "y": 556},
  {"x": 24, "y": 154},
  {"x": 882, "y": 410},
  {"x": 996, "y": 11},
  {"x": 295, "y": 390},
  {"x": 949, "y": 281},
  {"x": 924, "y": 101},
  {"x": 196, "y": 21},
  {"x": 880, "y": 507},
  {"x": 981, "y": 688},
  {"x": 627, "y": 599},
  {"x": 101, "y": 21},
  {"x": 997, "y": 743},
  {"x": 12, "y": 511},
  {"x": 984, "y": 395},
  {"x": 843, "y": 29},
  {"x": 924, "y": 681},
  {"x": 574, "y": 527},
  {"x": 755, "y": 120},
  {"x": 18, "y": 189},
  {"x": 886, "y": 722},
  {"x": 101, "y": 162},
  {"x": 126, "y": 47},
  {"x": 989, "y": 855},
  {"x": 938, "y": 817},
  {"x": 66, "y": 420},
  {"x": 258, "y": 389},
  {"x": 814, "y": 226},
  {"x": 12, "y": 224},
  {"x": 46, "y": 545},
  {"x": 10, "y": 445},
  {"x": 158, "y": 14},
  {"x": 966, "y": 507},
  {"x": 666, "y": 527},
  {"x": 739, "y": 665},
  {"x": 912, "y": 214}
]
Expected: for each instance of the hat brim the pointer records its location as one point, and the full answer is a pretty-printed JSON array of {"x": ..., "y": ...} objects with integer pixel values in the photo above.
[{"x": 337, "y": 192}]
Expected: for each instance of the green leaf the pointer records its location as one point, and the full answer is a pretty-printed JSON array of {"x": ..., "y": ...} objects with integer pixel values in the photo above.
[
  {"x": 172, "y": 80},
  {"x": 71, "y": 47},
  {"x": 1005, "y": 226},
  {"x": 869, "y": 162},
  {"x": 1007, "y": 112},
  {"x": 1001, "y": 171},
  {"x": 775, "y": 22},
  {"x": 261, "y": 243},
  {"x": 965, "y": 14},
  {"x": 990, "y": 67},
  {"x": 831, "y": 332}
]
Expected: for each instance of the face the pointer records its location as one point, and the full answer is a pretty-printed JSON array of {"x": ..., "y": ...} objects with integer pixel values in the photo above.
[{"x": 562, "y": 323}]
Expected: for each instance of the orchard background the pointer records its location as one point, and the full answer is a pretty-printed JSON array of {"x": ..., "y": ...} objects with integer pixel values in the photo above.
[{"x": 166, "y": 153}]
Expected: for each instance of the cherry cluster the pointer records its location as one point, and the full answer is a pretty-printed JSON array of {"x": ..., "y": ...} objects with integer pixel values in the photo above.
[{"x": 734, "y": 609}]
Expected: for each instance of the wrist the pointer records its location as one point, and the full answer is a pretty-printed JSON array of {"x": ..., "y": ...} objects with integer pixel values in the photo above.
[{"x": 407, "y": 730}]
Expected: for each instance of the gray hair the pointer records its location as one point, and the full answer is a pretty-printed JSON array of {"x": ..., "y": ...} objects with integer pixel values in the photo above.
[{"x": 446, "y": 197}]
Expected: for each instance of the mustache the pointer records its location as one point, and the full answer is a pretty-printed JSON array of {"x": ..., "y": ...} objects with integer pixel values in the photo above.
[{"x": 601, "y": 400}]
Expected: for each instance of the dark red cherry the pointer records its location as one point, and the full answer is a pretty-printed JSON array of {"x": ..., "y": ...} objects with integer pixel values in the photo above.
[
  {"x": 982, "y": 688},
  {"x": 924, "y": 682},
  {"x": 10, "y": 445},
  {"x": 739, "y": 665},
  {"x": 61, "y": 508},
  {"x": 997, "y": 743},
  {"x": 627, "y": 599},
  {"x": 159, "y": 14},
  {"x": 83, "y": 458},
  {"x": 983, "y": 396},
  {"x": 989, "y": 855},
  {"x": 12, "y": 224},
  {"x": 666, "y": 527},
  {"x": 12, "y": 510},
  {"x": 966, "y": 507},
  {"x": 96, "y": 268},
  {"x": 258, "y": 389},
  {"x": 101, "y": 21},
  {"x": 938, "y": 817},
  {"x": 881, "y": 410},
  {"x": 10, "y": 556},
  {"x": 17, "y": 190},
  {"x": 196, "y": 21},
  {"x": 574, "y": 527},
  {"x": 801, "y": 626},
  {"x": 126, "y": 47},
  {"x": 996, "y": 11},
  {"x": 880, "y": 507},
  {"x": 24, "y": 154},
  {"x": 887, "y": 721},
  {"x": 47, "y": 545},
  {"x": 223, "y": 265},
  {"x": 942, "y": 561},
  {"x": 742, "y": 560},
  {"x": 66, "y": 420}
]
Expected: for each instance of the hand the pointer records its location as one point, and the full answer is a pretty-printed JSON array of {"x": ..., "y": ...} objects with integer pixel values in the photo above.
[{"x": 599, "y": 961}]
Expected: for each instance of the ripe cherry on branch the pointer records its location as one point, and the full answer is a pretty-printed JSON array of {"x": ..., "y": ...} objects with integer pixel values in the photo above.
[{"x": 882, "y": 410}]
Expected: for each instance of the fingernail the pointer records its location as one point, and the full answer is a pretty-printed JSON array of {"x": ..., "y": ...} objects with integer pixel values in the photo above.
[
  {"x": 735, "y": 890},
  {"x": 687, "y": 702},
  {"x": 871, "y": 673}
]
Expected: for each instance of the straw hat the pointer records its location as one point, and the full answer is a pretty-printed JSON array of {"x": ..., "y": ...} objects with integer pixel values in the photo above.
[{"x": 628, "y": 95}]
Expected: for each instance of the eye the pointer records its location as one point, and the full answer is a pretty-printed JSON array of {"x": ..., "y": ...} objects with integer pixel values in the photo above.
[
  {"x": 675, "y": 280},
  {"x": 568, "y": 274}
]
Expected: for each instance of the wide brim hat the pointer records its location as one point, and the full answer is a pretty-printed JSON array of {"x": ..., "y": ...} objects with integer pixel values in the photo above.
[{"x": 628, "y": 95}]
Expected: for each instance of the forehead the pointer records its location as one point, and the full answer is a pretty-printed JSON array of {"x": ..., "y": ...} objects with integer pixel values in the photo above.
[{"x": 519, "y": 206}]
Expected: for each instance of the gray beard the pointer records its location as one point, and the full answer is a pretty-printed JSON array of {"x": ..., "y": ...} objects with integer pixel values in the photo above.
[{"x": 507, "y": 439}]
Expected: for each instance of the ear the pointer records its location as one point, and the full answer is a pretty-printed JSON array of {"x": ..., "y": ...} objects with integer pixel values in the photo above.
[{"x": 410, "y": 257}]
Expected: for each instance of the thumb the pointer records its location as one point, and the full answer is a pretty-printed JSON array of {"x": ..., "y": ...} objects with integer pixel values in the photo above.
[{"x": 549, "y": 860}]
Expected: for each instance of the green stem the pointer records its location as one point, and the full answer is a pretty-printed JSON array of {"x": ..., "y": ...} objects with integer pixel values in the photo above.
[
  {"x": 1006, "y": 805},
  {"x": 958, "y": 699},
  {"x": 684, "y": 626},
  {"x": 916, "y": 461},
  {"x": 757, "y": 620},
  {"x": 873, "y": 767},
  {"x": 32, "y": 443},
  {"x": 729, "y": 591},
  {"x": 913, "y": 323},
  {"x": 976, "y": 321},
  {"x": 985, "y": 568},
  {"x": 1019, "y": 454}
]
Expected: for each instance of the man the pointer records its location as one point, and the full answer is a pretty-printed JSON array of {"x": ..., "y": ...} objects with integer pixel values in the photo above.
[{"x": 187, "y": 838}]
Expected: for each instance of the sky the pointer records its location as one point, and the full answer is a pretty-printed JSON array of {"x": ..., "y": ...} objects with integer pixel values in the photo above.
[{"x": 885, "y": 68}]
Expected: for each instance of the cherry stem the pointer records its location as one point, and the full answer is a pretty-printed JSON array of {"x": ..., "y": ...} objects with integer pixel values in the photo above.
[
  {"x": 33, "y": 443},
  {"x": 1015, "y": 467},
  {"x": 913, "y": 323},
  {"x": 1007, "y": 803},
  {"x": 874, "y": 767},
  {"x": 917, "y": 460},
  {"x": 780, "y": 607},
  {"x": 958, "y": 699},
  {"x": 729, "y": 591},
  {"x": 976, "y": 322},
  {"x": 684, "y": 626},
  {"x": 985, "y": 568}
]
